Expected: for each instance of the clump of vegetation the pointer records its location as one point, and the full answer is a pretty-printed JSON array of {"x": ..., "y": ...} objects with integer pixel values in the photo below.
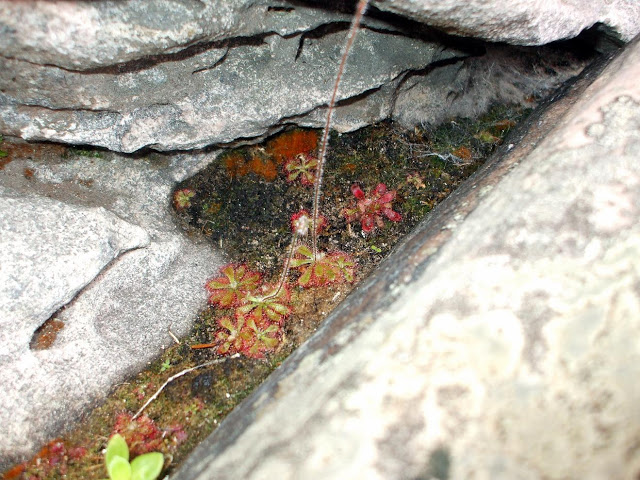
[
  {"x": 182, "y": 198},
  {"x": 144, "y": 467},
  {"x": 54, "y": 460},
  {"x": 292, "y": 143},
  {"x": 371, "y": 209},
  {"x": 3, "y": 153},
  {"x": 86, "y": 152}
]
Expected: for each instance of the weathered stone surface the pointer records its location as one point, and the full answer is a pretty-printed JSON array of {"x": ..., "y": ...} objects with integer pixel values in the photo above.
[
  {"x": 173, "y": 75},
  {"x": 95, "y": 236},
  {"x": 521, "y": 22},
  {"x": 49, "y": 251},
  {"x": 88, "y": 35},
  {"x": 216, "y": 96},
  {"x": 500, "y": 339},
  {"x": 502, "y": 75}
]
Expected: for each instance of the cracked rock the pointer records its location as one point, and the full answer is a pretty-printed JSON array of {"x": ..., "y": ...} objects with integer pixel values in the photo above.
[
  {"x": 177, "y": 75},
  {"x": 91, "y": 243},
  {"x": 216, "y": 96},
  {"x": 49, "y": 251}
]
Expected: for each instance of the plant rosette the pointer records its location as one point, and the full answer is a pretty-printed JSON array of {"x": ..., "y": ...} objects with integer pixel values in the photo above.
[
  {"x": 182, "y": 198},
  {"x": 301, "y": 222},
  {"x": 267, "y": 302},
  {"x": 371, "y": 209},
  {"x": 334, "y": 267},
  {"x": 248, "y": 336},
  {"x": 144, "y": 467},
  {"x": 230, "y": 290},
  {"x": 303, "y": 166}
]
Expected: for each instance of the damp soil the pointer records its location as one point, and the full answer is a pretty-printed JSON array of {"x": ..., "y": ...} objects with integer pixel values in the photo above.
[{"x": 242, "y": 203}]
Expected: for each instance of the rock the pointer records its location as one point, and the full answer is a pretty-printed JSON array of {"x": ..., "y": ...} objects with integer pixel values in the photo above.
[
  {"x": 500, "y": 338},
  {"x": 212, "y": 97},
  {"x": 502, "y": 75},
  {"x": 49, "y": 251},
  {"x": 116, "y": 277},
  {"x": 185, "y": 75},
  {"x": 521, "y": 22},
  {"x": 92, "y": 35}
]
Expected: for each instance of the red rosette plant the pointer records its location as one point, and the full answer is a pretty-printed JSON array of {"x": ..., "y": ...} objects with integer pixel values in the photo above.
[
  {"x": 324, "y": 269},
  {"x": 230, "y": 290},
  {"x": 301, "y": 222},
  {"x": 303, "y": 166},
  {"x": 371, "y": 210},
  {"x": 182, "y": 198},
  {"x": 268, "y": 301},
  {"x": 231, "y": 337},
  {"x": 263, "y": 337}
]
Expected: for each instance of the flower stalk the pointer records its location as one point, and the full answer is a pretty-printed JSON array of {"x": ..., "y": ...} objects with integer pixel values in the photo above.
[{"x": 324, "y": 142}]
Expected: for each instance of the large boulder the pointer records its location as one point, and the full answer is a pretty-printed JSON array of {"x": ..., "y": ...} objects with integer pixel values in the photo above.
[
  {"x": 499, "y": 341},
  {"x": 176, "y": 75},
  {"x": 89, "y": 250},
  {"x": 215, "y": 96}
]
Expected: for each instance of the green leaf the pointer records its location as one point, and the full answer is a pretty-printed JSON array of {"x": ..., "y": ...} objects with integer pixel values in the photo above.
[
  {"x": 3, "y": 154},
  {"x": 116, "y": 447},
  {"x": 119, "y": 469},
  {"x": 147, "y": 466},
  {"x": 305, "y": 278},
  {"x": 305, "y": 251}
]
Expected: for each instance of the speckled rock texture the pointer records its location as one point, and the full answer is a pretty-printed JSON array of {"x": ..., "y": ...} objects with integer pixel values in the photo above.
[
  {"x": 90, "y": 242},
  {"x": 521, "y": 22},
  {"x": 177, "y": 75},
  {"x": 500, "y": 340},
  {"x": 170, "y": 83}
]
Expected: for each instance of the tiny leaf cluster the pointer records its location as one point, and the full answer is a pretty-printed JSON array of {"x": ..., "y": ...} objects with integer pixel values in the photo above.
[
  {"x": 372, "y": 208},
  {"x": 259, "y": 310},
  {"x": 144, "y": 467}
]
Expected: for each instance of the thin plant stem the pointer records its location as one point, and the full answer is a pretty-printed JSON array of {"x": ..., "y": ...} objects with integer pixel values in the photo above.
[
  {"x": 324, "y": 142},
  {"x": 287, "y": 267},
  {"x": 178, "y": 375}
]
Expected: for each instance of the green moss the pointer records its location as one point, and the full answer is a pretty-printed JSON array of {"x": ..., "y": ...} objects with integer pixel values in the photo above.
[
  {"x": 85, "y": 152},
  {"x": 3, "y": 154}
]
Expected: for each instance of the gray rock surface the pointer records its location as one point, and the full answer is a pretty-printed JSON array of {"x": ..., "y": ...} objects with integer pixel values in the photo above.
[
  {"x": 502, "y": 75},
  {"x": 94, "y": 236},
  {"x": 216, "y": 96},
  {"x": 90, "y": 35},
  {"x": 499, "y": 341},
  {"x": 49, "y": 251},
  {"x": 521, "y": 22},
  {"x": 175, "y": 75}
]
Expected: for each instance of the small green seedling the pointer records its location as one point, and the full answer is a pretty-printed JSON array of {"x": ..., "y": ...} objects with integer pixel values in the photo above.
[
  {"x": 166, "y": 365},
  {"x": 143, "y": 467}
]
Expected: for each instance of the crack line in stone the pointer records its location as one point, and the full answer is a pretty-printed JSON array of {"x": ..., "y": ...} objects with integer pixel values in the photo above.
[{"x": 77, "y": 294}]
